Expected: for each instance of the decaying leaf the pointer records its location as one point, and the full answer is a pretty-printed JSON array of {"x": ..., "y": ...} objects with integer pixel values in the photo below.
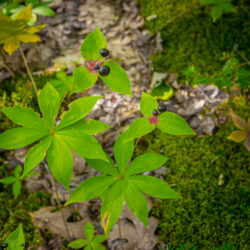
[
  {"x": 244, "y": 133},
  {"x": 45, "y": 218},
  {"x": 134, "y": 233}
]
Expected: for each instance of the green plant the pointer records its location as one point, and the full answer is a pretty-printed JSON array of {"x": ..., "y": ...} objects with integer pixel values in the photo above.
[
  {"x": 167, "y": 122},
  {"x": 12, "y": 9},
  {"x": 121, "y": 182},
  {"x": 16, "y": 180},
  {"x": 243, "y": 134},
  {"x": 219, "y": 7},
  {"x": 230, "y": 74},
  {"x": 15, "y": 240},
  {"x": 75, "y": 133},
  {"x": 92, "y": 242},
  {"x": 15, "y": 31}
]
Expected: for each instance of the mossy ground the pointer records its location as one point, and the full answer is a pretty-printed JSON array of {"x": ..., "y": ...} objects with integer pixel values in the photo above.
[
  {"x": 212, "y": 175},
  {"x": 193, "y": 38},
  {"x": 15, "y": 211}
]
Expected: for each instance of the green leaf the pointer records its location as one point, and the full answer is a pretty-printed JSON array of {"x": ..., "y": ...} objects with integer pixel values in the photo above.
[
  {"x": 238, "y": 136},
  {"x": 15, "y": 240},
  {"x": 107, "y": 168},
  {"x": 145, "y": 162},
  {"x": 43, "y": 11},
  {"x": 162, "y": 92},
  {"x": 90, "y": 127},
  {"x": 49, "y": 103},
  {"x": 25, "y": 117},
  {"x": 20, "y": 137},
  {"x": 148, "y": 104},
  {"x": 138, "y": 128},
  {"x": 117, "y": 79},
  {"x": 82, "y": 79},
  {"x": 137, "y": 202},
  {"x": 62, "y": 83},
  {"x": 216, "y": 12},
  {"x": 112, "y": 204},
  {"x": 92, "y": 44},
  {"x": 123, "y": 151},
  {"x": 239, "y": 122},
  {"x": 228, "y": 7},
  {"x": 8, "y": 180},
  {"x": 78, "y": 110},
  {"x": 36, "y": 154},
  {"x": 89, "y": 231},
  {"x": 97, "y": 246},
  {"x": 78, "y": 243},
  {"x": 16, "y": 188},
  {"x": 154, "y": 187},
  {"x": 17, "y": 171},
  {"x": 174, "y": 124},
  {"x": 60, "y": 161},
  {"x": 99, "y": 238},
  {"x": 84, "y": 145},
  {"x": 90, "y": 189}
]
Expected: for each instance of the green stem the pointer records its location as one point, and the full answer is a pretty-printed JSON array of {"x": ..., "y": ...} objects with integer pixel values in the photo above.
[
  {"x": 28, "y": 70},
  {"x": 60, "y": 207},
  {"x": 120, "y": 233}
]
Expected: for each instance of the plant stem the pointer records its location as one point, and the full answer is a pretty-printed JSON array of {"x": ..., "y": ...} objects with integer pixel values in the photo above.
[
  {"x": 120, "y": 233},
  {"x": 28, "y": 70},
  {"x": 137, "y": 142},
  {"x": 60, "y": 207}
]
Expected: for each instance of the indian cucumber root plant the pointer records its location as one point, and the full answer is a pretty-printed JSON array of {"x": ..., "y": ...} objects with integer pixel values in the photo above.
[{"x": 122, "y": 180}]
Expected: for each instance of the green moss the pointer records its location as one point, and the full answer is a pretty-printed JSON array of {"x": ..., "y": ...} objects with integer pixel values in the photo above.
[
  {"x": 15, "y": 211},
  {"x": 212, "y": 175},
  {"x": 193, "y": 39}
]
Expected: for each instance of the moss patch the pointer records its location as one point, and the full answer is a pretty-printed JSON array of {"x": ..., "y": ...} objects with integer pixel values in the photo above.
[
  {"x": 212, "y": 175},
  {"x": 15, "y": 211},
  {"x": 193, "y": 39}
]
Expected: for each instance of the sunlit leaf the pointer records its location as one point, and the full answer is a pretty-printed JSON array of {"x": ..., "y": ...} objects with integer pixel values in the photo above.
[
  {"x": 123, "y": 151},
  {"x": 90, "y": 189},
  {"x": 117, "y": 79},
  {"x": 174, "y": 124},
  {"x": 112, "y": 204},
  {"x": 138, "y": 128},
  {"x": 15, "y": 240},
  {"x": 82, "y": 79},
  {"x": 60, "y": 161},
  {"x": 92, "y": 44},
  {"x": 148, "y": 104}
]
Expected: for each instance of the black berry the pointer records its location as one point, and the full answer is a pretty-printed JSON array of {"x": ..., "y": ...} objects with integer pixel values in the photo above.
[
  {"x": 162, "y": 108},
  {"x": 96, "y": 67},
  {"x": 104, "y": 70},
  {"x": 155, "y": 112},
  {"x": 4, "y": 245},
  {"x": 104, "y": 52}
]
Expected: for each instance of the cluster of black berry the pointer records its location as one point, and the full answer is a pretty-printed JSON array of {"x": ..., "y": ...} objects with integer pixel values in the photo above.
[
  {"x": 103, "y": 70},
  {"x": 161, "y": 108},
  {"x": 4, "y": 245}
]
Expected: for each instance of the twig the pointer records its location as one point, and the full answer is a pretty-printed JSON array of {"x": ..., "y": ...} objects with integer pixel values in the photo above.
[
  {"x": 5, "y": 65},
  {"x": 120, "y": 233},
  {"x": 28, "y": 70},
  {"x": 60, "y": 207}
]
